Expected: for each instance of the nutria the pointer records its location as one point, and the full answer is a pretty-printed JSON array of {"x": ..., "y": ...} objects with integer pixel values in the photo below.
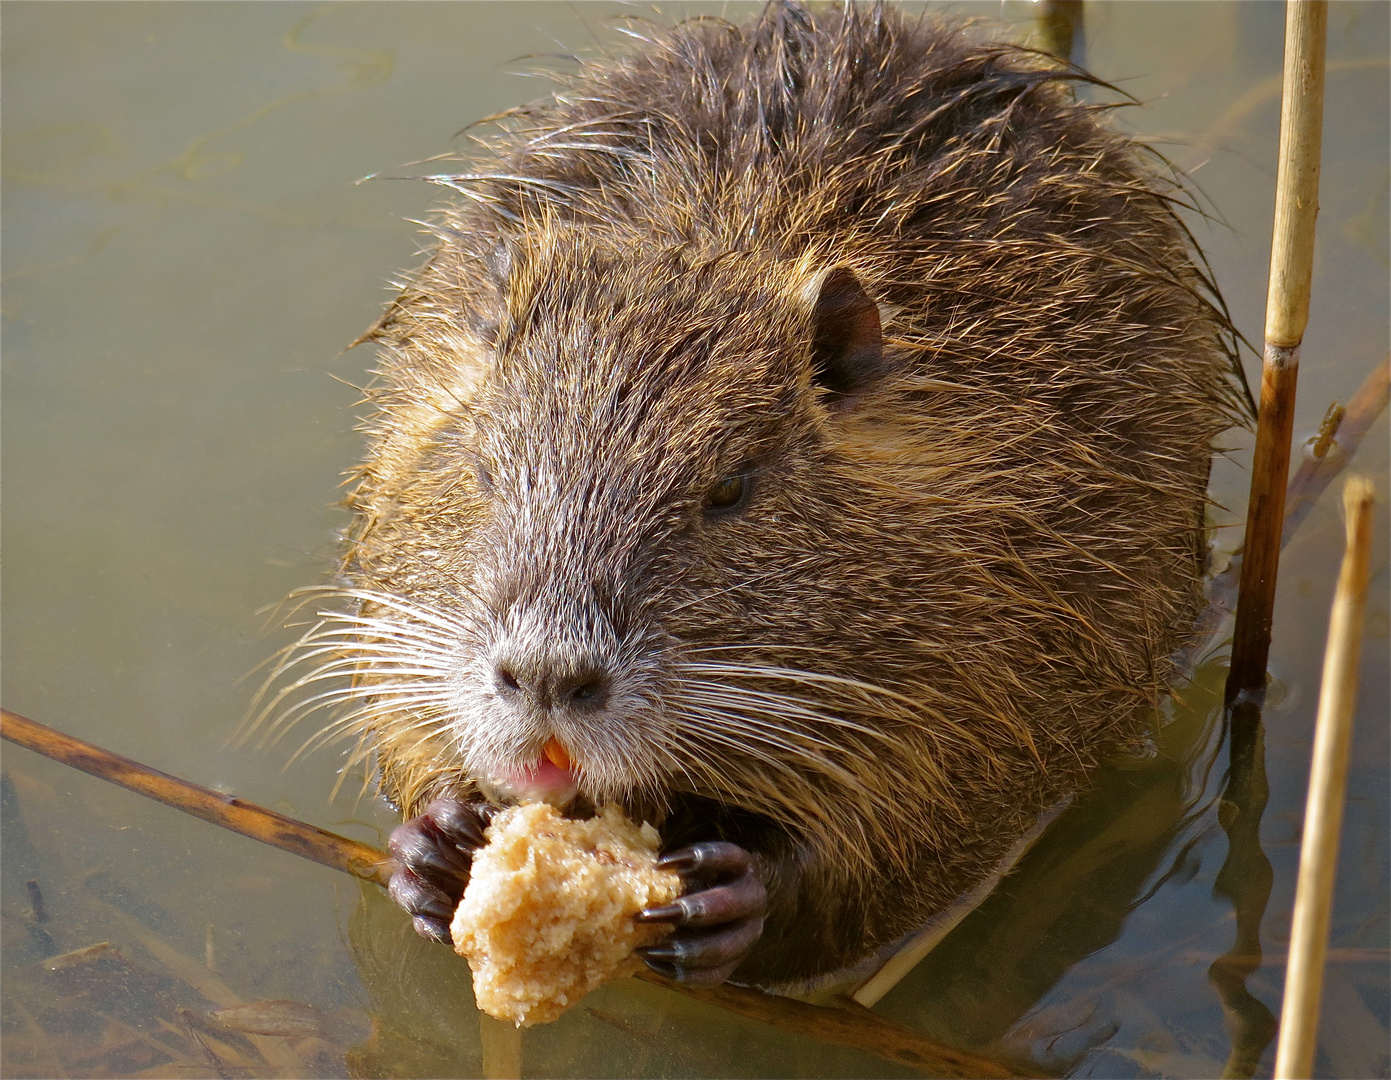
[{"x": 798, "y": 434}]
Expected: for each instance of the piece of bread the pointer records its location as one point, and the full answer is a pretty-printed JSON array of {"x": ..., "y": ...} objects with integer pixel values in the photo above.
[{"x": 548, "y": 912}]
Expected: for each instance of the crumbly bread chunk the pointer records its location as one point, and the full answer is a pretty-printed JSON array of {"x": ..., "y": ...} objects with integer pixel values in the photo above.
[{"x": 548, "y": 912}]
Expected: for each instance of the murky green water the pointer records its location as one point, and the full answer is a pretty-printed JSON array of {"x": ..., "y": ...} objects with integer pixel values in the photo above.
[{"x": 184, "y": 255}]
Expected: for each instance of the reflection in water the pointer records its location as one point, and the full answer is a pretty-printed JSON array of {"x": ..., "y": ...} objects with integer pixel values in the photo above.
[
  {"x": 1071, "y": 897},
  {"x": 1140, "y": 829},
  {"x": 1245, "y": 880}
]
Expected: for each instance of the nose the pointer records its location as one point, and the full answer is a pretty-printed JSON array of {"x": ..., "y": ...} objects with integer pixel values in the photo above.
[{"x": 551, "y": 684}]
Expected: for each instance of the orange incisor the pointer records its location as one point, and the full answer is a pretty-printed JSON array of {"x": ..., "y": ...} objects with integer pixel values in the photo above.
[{"x": 557, "y": 755}]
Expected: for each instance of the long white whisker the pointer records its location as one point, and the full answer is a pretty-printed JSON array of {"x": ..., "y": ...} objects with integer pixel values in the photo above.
[
  {"x": 767, "y": 729},
  {"x": 421, "y": 612},
  {"x": 779, "y": 705},
  {"x": 709, "y": 723},
  {"x": 387, "y": 629},
  {"x": 430, "y": 722},
  {"x": 327, "y": 699},
  {"x": 320, "y": 675},
  {"x": 910, "y": 711},
  {"x": 717, "y": 732},
  {"x": 798, "y": 675}
]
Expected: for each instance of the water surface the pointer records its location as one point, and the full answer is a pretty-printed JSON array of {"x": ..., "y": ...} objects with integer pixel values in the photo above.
[{"x": 185, "y": 255}]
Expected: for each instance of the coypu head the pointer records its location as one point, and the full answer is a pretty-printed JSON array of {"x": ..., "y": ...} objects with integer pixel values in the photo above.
[{"x": 811, "y": 416}]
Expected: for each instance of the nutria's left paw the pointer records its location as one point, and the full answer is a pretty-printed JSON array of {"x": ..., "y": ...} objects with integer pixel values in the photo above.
[
  {"x": 717, "y": 921},
  {"x": 433, "y": 854}
]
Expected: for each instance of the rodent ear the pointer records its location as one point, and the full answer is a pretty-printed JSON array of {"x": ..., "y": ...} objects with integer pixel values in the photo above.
[
  {"x": 499, "y": 262},
  {"x": 847, "y": 346}
]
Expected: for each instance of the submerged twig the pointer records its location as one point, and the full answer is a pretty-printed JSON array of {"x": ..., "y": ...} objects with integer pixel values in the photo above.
[
  {"x": 232, "y": 813},
  {"x": 847, "y": 1024},
  {"x": 1337, "y": 441},
  {"x": 1323, "y": 815}
]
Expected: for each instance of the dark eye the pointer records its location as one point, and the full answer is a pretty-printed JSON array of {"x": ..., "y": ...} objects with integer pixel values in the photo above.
[{"x": 730, "y": 493}]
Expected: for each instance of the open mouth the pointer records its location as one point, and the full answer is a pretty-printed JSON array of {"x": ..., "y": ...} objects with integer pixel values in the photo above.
[{"x": 550, "y": 780}]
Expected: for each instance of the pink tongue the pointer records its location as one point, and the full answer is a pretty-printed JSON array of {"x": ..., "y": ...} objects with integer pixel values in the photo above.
[{"x": 541, "y": 780}]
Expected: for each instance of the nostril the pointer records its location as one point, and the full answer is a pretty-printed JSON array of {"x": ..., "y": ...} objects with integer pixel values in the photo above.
[
  {"x": 587, "y": 691},
  {"x": 507, "y": 679}
]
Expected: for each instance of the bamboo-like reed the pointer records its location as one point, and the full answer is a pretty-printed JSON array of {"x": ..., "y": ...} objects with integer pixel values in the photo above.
[
  {"x": 1287, "y": 315},
  {"x": 1323, "y": 815}
]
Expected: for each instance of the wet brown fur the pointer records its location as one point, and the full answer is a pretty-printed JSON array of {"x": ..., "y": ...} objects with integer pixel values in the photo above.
[{"x": 947, "y": 599}]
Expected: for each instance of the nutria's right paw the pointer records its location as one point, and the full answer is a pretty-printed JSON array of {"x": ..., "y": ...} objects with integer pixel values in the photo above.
[
  {"x": 434, "y": 853},
  {"x": 717, "y": 921}
]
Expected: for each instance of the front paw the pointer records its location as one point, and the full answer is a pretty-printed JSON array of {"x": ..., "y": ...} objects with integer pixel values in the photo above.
[
  {"x": 717, "y": 921},
  {"x": 434, "y": 853}
]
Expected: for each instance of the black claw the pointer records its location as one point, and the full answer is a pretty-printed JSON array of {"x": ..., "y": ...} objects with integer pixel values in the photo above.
[
  {"x": 710, "y": 949},
  {"x": 661, "y": 967},
  {"x": 665, "y": 913},
  {"x": 432, "y": 929},
  {"x": 743, "y": 898},
  {"x": 666, "y": 951},
  {"x": 434, "y": 855},
  {"x": 714, "y": 857},
  {"x": 691, "y": 976},
  {"x": 461, "y": 823},
  {"x": 720, "y": 917}
]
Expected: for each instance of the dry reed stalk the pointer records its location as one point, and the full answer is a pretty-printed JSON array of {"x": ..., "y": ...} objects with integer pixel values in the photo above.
[
  {"x": 844, "y": 1024},
  {"x": 1315, "y": 473},
  {"x": 1323, "y": 815},
  {"x": 1287, "y": 314}
]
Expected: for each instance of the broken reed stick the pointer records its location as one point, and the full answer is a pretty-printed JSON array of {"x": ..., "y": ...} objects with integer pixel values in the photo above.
[
  {"x": 846, "y": 1024},
  {"x": 1323, "y": 814},
  {"x": 232, "y": 813},
  {"x": 1287, "y": 315}
]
